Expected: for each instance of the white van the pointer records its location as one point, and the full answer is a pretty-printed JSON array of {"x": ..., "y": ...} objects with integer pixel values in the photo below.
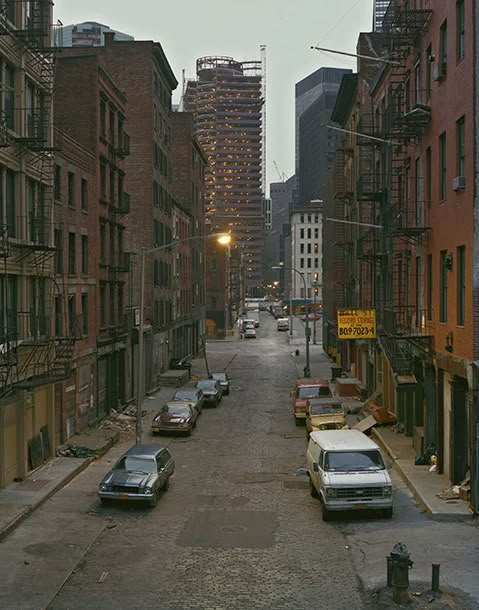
[
  {"x": 283, "y": 324},
  {"x": 347, "y": 472}
]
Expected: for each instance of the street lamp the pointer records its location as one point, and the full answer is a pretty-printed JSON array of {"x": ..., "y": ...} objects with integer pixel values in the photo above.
[
  {"x": 307, "y": 370},
  {"x": 223, "y": 239}
]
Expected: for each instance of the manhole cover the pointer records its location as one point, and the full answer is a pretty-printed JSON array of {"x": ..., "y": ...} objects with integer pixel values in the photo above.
[{"x": 233, "y": 529}]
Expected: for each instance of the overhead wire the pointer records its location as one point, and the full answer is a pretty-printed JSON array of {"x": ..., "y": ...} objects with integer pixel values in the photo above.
[{"x": 338, "y": 22}]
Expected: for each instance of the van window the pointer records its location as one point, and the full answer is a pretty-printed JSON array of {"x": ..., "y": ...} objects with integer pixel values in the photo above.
[
  {"x": 341, "y": 461},
  {"x": 317, "y": 392}
]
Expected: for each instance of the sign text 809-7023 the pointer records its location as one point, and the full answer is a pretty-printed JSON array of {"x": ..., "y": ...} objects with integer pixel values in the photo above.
[{"x": 356, "y": 324}]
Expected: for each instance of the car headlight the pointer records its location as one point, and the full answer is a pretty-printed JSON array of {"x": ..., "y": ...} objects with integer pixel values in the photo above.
[
  {"x": 103, "y": 487},
  {"x": 148, "y": 490},
  {"x": 331, "y": 492},
  {"x": 387, "y": 491}
]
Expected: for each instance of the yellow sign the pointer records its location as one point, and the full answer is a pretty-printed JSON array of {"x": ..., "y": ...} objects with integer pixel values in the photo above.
[{"x": 356, "y": 323}]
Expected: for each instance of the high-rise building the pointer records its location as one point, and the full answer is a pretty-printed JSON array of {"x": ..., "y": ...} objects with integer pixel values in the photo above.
[
  {"x": 226, "y": 99},
  {"x": 316, "y": 143},
  {"x": 321, "y": 82},
  {"x": 88, "y": 34},
  {"x": 379, "y": 10}
]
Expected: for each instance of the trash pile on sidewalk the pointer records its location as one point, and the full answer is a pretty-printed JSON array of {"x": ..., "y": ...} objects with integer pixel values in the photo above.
[
  {"x": 95, "y": 442},
  {"x": 457, "y": 492}
]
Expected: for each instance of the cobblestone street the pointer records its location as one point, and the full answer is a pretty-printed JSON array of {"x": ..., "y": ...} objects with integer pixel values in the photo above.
[{"x": 236, "y": 530}]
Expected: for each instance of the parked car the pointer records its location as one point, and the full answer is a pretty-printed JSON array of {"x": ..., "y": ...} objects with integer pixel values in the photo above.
[
  {"x": 139, "y": 474},
  {"x": 175, "y": 416},
  {"x": 224, "y": 381},
  {"x": 250, "y": 333},
  {"x": 325, "y": 414},
  {"x": 312, "y": 316},
  {"x": 283, "y": 324},
  {"x": 305, "y": 389},
  {"x": 212, "y": 391},
  {"x": 347, "y": 472},
  {"x": 251, "y": 323},
  {"x": 191, "y": 395}
]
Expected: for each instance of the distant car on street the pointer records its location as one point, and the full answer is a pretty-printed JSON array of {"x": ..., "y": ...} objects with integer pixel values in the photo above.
[
  {"x": 250, "y": 333},
  {"x": 224, "y": 381},
  {"x": 138, "y": 475},
  {"x": 283, "y": 324},
  {"x": 211, "y": 391},
  {"x": 192, "y": 395},
  {"x": 312, "y": 316},
  {"x": 175, "y": 416}
]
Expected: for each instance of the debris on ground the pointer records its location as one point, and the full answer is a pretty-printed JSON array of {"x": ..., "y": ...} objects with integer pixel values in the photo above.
[
  {"x": 73, "y": 451},
  {"x": 455, "y": 492}
]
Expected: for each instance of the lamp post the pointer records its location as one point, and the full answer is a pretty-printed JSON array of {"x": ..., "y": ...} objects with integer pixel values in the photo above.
[
  {"x": 223, "y": 239},
  {"x": 314, "y": 312},
  {"x": 307, "y": 369}
]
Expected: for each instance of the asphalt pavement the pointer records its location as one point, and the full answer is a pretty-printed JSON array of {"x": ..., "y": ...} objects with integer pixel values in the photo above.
[{"x": 237, "y": 529}]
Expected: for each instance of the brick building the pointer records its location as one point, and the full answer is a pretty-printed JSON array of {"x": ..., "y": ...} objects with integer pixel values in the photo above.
[
  {"x": 98, "y": 263},
  {"x": 414, "y": 159},
  {"x": 189, "y": 162},
  {"x": 142, "y": 73}
]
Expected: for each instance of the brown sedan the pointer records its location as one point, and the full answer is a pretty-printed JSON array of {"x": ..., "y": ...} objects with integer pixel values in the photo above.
[{"x": 175, "y": 416}]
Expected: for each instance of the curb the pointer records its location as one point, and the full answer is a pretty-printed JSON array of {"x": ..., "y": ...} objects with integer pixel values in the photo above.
[
  {"x": 28, "y": 510},
  {"x": 436, "y": 516}
]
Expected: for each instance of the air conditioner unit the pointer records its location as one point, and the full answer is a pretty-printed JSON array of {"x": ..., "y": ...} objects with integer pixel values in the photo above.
[
  {"x": 459, "y": 183},
  {"x": 439, "y": 71}
]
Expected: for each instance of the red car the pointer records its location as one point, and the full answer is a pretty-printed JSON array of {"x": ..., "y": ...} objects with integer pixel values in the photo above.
[
  {"x": 175, "y": 416},
  {"x": 312, "y": 316}
]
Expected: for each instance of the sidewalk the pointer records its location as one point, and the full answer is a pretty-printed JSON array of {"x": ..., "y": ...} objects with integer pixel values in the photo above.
[
  {"x": 18, "y": 500},
  {"x": 423, "y": 484}
]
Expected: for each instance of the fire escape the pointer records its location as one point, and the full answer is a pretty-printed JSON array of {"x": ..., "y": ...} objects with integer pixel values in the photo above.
[
  {"x": 36, "y": 346},
  {"x": 404, "y": 213}
]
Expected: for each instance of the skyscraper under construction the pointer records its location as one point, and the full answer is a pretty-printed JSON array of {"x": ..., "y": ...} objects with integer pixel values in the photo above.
[{"x": 227, "y": 101}]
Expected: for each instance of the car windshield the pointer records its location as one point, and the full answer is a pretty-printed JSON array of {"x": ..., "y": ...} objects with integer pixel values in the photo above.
[
  {"x": 219, "y": 376},
  {"x": 326, "y": 409},
  {"x": 343, "y": 461},
  {"x": 184, "y": 396},
  {"x": 179, "y": 410},
  {"x": 206, "y": 384},
  {"x": 315, "y": 392},
  {"x": 132, "y": 462}
]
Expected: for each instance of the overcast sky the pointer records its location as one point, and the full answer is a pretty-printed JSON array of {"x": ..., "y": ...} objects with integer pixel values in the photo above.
[{"x": 188, "y": 29}]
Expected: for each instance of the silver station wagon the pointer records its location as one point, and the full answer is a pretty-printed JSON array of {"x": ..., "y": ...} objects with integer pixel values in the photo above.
[{"x": 139, "y": 474}]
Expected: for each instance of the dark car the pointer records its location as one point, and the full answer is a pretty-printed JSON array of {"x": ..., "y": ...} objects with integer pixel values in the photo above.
[
  {"x": 211, "y": 391},
  {"x": 175, "y": 416},
  {"x": 224, "y": 381},
  {"x": 181, "y": 364},
  {"x": 139, "y": 474},
  {"x": 192, "y": 395}
]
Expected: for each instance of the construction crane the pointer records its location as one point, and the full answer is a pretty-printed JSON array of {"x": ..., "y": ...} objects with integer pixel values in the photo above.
[{"x": 282, "y": 175}]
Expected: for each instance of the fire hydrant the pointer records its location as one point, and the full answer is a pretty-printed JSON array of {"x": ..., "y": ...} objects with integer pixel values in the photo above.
[{"x": 400, "y": 573}]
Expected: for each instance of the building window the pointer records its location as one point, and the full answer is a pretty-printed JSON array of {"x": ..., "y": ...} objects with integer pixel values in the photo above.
[
  {"x": 102, "y": 118},
  {"x": 316, "y": 233},
  {"x": 84, "y": 194},
  {"x": 84, "y": 254},
  {"x": 461, "y": 285},
  {"x": 58, "y": 316},
  {"x": 428, "y": 71},
  {"x": 443, "y": 288},
  {"x": 112, "y": 185},
  {"x": 443, "y": 166},
  {"x": 316, "y": 264},
  {"x": 309, "y": 233},
  {"x": 71, "y": 314},
  {"x": 443, "y": 44},
  {"x": 301, "y": 219},
  {"x": 71, "y": 252},
  {"x": 120, "y": 304},
  {"x": 301, "y": 263},
  {"x": 112, "y": 304},
  {"x": 10, "y": 203},
  {"x": 461, "y": 156},
  {"x": 428, "y": 172},
  {"x": 309, "y": 263},
  {"x": 58, "y": 182},
  {"x": 301, "y": 248},
  {"x": 429, "y": 286},
  {"x": 460, "y": 29},
  {"x": 316, "y": 248},
  {"x": 58, "y": 242},
  {"x": 301, "y": 233},
  {"x": 9, "y": 97},
  {"x": 103, "y": 306},
  {"x": 71, "y": 190},
  {"x": 102, "y": 243},
  {"x": 309, "y": 248},
  {"x": 84, "y": 313},
  {"x": 156, "y": 274},
  {"x": 102, "y": 182}
]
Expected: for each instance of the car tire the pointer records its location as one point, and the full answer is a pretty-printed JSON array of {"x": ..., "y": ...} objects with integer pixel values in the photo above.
[
  {"x": 154, "y": 500},
  {"x": 388, "y": 512},
  {"x": 105, "y": 501},
  {"x": 312, "y": 489},
  {"x": 166, "y": 485},
  {"x": 326, "y": 514},
  {"x": 189, "y": 431}
]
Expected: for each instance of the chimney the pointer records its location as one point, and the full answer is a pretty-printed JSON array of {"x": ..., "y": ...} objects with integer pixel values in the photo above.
[{"x": 109, "y": 38}]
